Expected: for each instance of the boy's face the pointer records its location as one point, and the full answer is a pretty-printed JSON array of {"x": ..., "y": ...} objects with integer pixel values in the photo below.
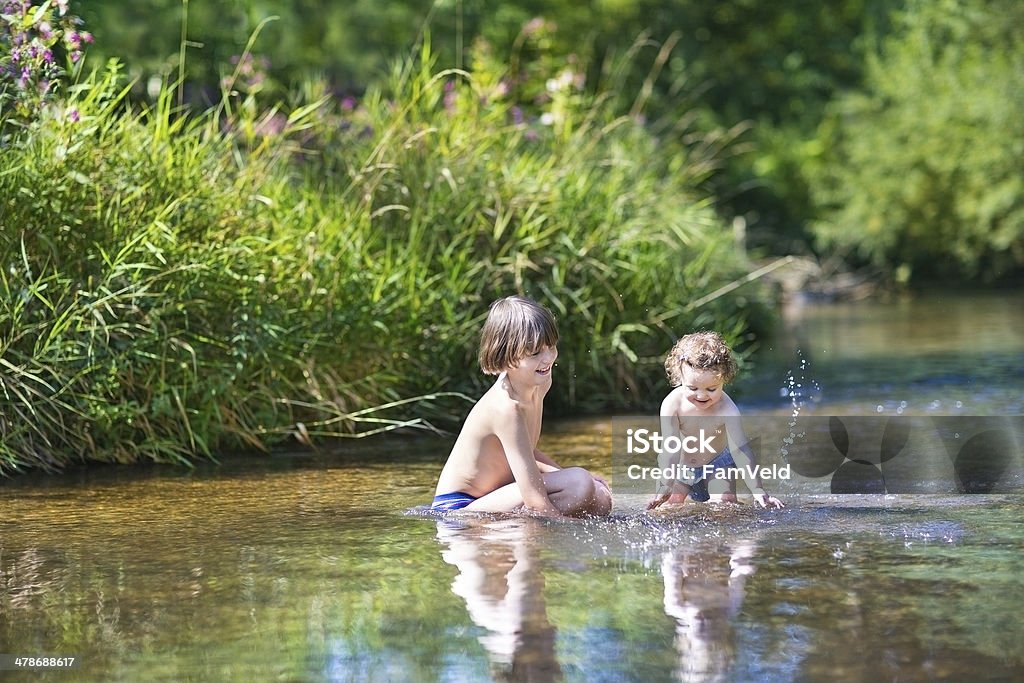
[
  {"x": 703, "y": 387},
  {"x": 535, "y": 368}
]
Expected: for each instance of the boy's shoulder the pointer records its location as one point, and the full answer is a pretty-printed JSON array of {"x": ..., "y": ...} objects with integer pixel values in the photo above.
[{"x": 498, "y": 404}]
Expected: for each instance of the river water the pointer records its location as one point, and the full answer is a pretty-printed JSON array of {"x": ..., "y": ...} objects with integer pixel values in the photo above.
[{"x": 326, "y": 567}]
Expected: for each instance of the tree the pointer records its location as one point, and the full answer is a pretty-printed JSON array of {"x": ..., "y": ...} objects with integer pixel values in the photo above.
[{"x": 925, "y": 174}]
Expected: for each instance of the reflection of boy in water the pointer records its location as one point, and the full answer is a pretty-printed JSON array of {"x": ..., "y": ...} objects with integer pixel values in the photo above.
[
  {"x": 504, "y": 592},
  {"x": 699, "y": 366},
  {"x": 703, "y": 594}
]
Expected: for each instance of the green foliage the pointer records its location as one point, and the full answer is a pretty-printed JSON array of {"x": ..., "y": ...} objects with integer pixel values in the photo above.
[
  {"x": 926, "y": 172},
  {"x": 467, "y": 199},
  {"x": 175, "y": 285}
]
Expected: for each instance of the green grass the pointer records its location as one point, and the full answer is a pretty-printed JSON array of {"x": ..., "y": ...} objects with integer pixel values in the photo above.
[{"x": 174, "y": 285}]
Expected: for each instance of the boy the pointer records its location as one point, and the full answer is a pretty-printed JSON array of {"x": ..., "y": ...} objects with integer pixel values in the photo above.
[
  {"x": 699, "y": 366},
  {"x": 494, "y": 465}
]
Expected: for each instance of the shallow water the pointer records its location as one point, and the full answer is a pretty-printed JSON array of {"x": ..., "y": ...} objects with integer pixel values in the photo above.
[
  {"x": 945, "y": 354},
  {"x": 327, "y": 568}
]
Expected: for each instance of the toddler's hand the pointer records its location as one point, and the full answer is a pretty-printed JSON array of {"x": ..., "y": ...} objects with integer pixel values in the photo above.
[
  {"x": 657, "y": 500},
  {"x": 667, "y": 499},
  {"x": 768, "y": 502}
]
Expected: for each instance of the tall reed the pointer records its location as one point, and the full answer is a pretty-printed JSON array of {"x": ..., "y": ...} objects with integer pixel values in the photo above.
[{"x": 174, "y": 285}]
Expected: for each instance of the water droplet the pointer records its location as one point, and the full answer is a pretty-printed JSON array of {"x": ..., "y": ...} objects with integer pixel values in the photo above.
[
  {"x": 956, "y": 435},
  {"x": 903, "y": 404},
  {"x": 959, "y": 404},
  {"x": 879, "y": 409}
]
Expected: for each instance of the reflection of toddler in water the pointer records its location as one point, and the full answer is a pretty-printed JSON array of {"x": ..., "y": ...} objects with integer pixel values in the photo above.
[
  {"x": 699, "y": 366},
  {"x": 704, "y": 593}
]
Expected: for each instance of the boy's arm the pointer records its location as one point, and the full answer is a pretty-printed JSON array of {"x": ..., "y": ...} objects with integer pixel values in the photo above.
[
  {"x": 515, "y": 440},
  {"x": 544, "y": 459},
  {"x": 743, "y": 456}
]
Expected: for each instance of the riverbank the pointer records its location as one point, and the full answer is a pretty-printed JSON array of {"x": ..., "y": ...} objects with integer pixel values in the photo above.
[{"x": 175, "y": 286}]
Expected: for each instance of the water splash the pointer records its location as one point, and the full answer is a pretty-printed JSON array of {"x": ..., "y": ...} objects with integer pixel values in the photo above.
[
  {"x": 933, "y": 407},
  {"x": 800, "y": 388}
]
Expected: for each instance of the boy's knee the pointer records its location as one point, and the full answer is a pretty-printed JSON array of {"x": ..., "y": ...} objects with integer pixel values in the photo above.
[
  {"x": 592, "y": 498},
  {"x": 602, "y": 500},
  {"x": 582, "y": 482}
]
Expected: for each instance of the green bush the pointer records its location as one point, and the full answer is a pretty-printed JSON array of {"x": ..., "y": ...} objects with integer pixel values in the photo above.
[
  {"x": 175, "y": 285},
  {"x": 926, "y": 172}
]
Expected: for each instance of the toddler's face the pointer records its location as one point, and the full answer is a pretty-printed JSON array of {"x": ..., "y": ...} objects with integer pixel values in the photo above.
[{"x": 703, "y": 387}]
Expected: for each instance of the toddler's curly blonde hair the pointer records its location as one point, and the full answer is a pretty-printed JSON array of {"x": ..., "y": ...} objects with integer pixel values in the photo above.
[{"x": 702, "y": 351}]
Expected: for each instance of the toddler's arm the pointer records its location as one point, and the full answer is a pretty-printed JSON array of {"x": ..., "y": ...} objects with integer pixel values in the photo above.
[{"x": 743, "y": 456}]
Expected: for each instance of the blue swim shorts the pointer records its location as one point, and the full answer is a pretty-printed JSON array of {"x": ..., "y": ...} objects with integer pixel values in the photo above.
[
  {"x": 447, "y": 502},
  {"x": 699, "y": 489}
]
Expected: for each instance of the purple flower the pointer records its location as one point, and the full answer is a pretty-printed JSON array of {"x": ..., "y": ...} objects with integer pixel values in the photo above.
[
  {"x": 450, "y": 96},
  {"x": 73, "y": 115},
  {"x": 534, "y": 25}
]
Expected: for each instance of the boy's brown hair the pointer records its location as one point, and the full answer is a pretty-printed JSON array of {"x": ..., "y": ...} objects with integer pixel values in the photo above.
[
  {"x": 515, "y": 328},
  {"x": 702, "y": 351}
]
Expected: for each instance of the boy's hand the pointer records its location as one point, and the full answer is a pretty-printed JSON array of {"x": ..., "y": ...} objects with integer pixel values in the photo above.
[{"x": 549, "y": 511}]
